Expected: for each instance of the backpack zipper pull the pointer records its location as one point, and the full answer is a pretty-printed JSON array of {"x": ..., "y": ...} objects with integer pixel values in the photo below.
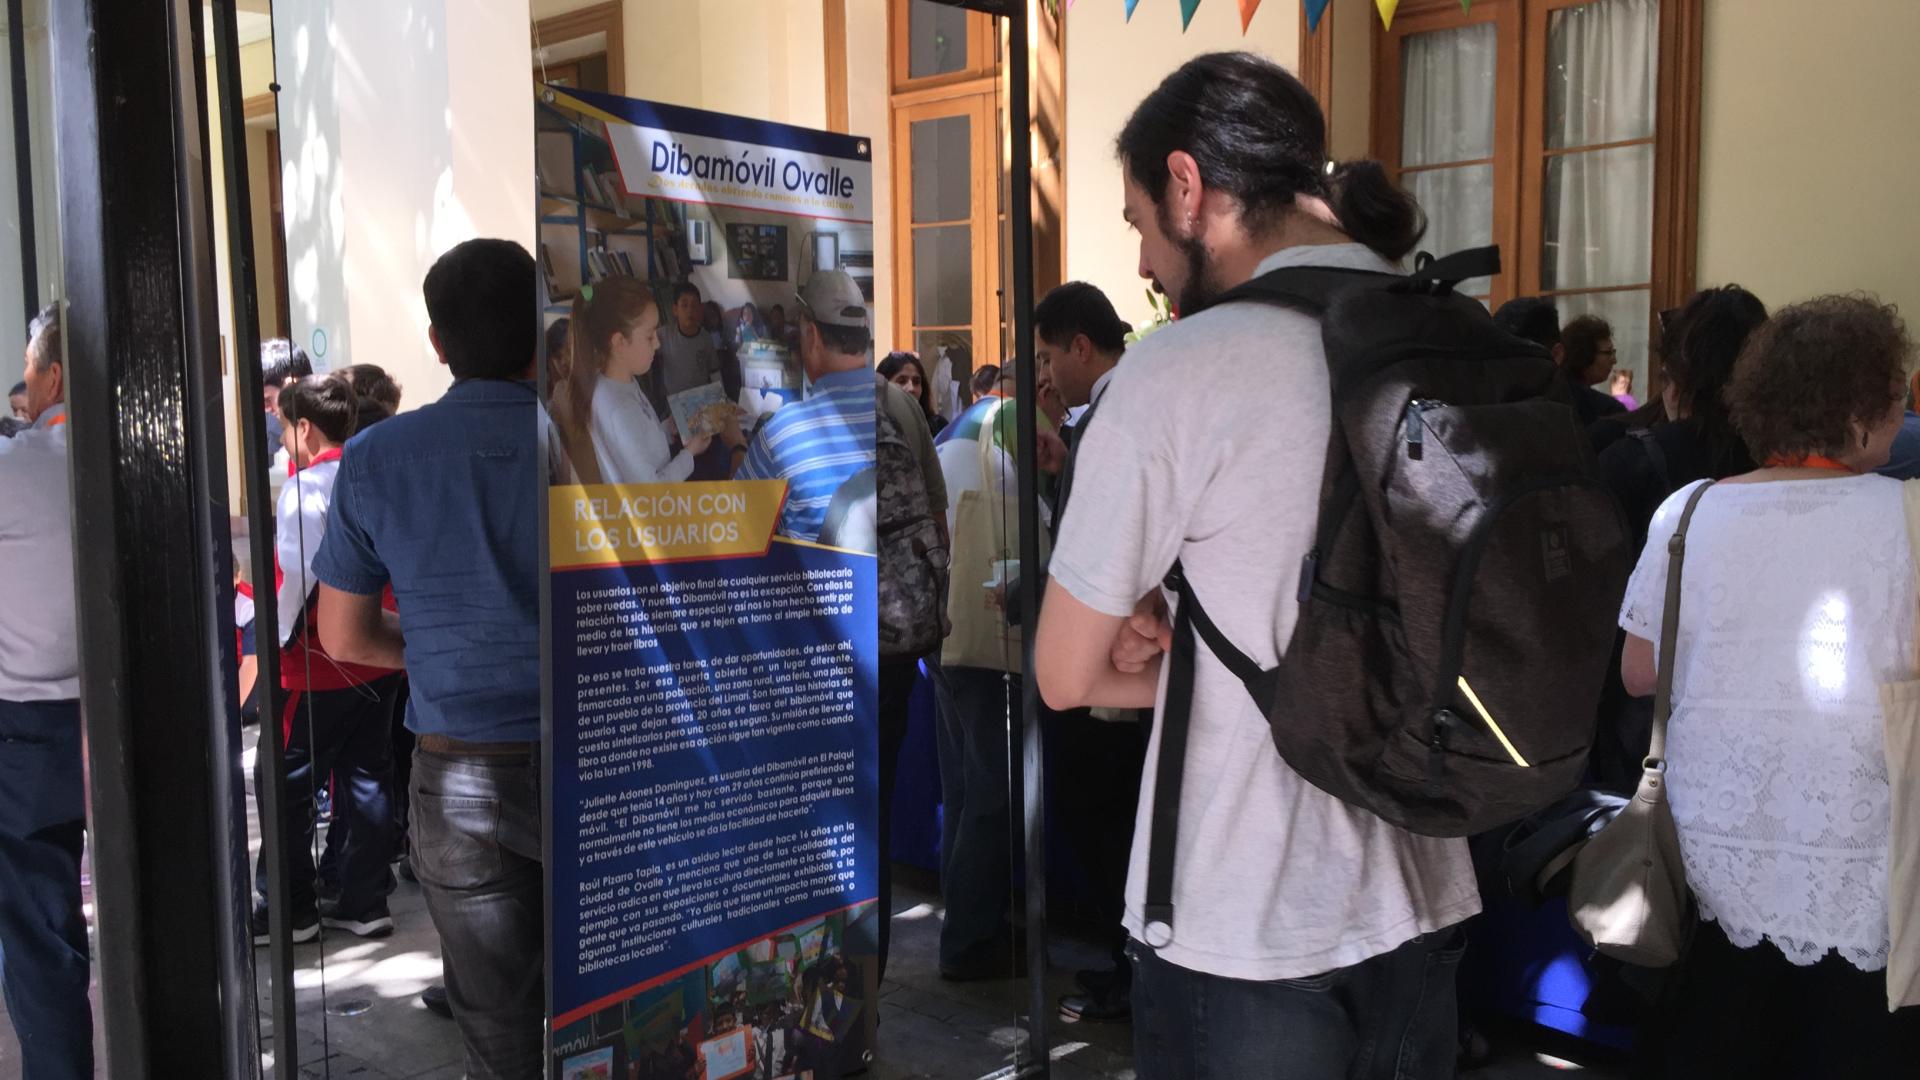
[
  {"x": 1416, "y": 428},
  {"x": 1443, "y": 724}
]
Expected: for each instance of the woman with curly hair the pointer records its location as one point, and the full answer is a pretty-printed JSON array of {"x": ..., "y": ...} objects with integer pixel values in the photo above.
[{"x": 1797, "y": 601}]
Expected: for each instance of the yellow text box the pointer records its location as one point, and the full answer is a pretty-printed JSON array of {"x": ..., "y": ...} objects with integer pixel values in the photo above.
[{"x": 624, "y": 524}]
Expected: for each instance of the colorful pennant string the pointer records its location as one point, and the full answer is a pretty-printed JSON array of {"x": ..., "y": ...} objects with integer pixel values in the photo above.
[{"x": 1316, "y": 10}]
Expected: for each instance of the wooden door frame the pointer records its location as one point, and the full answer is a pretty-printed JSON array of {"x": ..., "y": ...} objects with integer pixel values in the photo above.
[
  {"x": 276, "y": 215},
  {"x": 600, "y": 18},
  {"x": 980, "y": 60},
  {"x": 982, "y": 220}
]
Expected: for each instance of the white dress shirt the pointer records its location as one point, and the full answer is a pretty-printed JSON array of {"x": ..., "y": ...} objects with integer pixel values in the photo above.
[
  {"x": 628, "y": 439},
  {"x": 1075, "y": 414},
  {"x": 39, "y": 644},
  {"x": 301, "y": 523}
]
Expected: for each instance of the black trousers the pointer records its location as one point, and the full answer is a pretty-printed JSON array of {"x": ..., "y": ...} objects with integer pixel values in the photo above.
[
  {"x": 1096, "y": 766},
  {"x": 896, "y": 693},
  {"x": 1753, "y": 1014},
  {"x": 43, "y": 933},
  {"x": 344, "y": 731}
]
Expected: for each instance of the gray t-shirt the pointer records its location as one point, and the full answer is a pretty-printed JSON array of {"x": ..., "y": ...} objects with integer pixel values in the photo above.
[
  {"x": 1211, "y": 441},
  {"x": 686, "y": 361}
]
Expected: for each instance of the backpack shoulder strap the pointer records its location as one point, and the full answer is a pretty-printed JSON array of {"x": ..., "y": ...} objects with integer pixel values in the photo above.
[
  {"x": 1670, "y": 631},
  {"x": 1304, "y": 288},
  {"x": 1190, "y": 626}
]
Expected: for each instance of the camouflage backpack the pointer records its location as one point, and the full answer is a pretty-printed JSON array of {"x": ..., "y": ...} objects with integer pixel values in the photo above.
[{"x": 912, "y": 556}]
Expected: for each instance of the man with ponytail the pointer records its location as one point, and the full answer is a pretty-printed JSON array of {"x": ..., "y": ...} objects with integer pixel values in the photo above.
[{"x": 1314, "y": 939}]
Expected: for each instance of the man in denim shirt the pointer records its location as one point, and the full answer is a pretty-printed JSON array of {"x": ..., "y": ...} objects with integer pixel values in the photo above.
[{"x": 444, "y": 504}]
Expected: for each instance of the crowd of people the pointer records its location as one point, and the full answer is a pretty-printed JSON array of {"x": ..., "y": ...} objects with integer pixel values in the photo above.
[{"x": 1316, "y": 938}]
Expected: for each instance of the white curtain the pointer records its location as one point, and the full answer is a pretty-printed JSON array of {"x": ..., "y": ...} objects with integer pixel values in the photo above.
[
  {"x": 1447, "y": 94},
  {"x": 1597, "y": 227},
  {"x": 1447, "y": 111},
  {"x": 1601, "y": 61}
]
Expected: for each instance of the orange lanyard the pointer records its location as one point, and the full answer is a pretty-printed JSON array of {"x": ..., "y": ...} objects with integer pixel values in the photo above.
[{"x": 1809, "y": 461}]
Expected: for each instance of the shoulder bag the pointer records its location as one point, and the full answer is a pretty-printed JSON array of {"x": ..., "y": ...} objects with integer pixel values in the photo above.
[{"x": 1628, "y": 896}]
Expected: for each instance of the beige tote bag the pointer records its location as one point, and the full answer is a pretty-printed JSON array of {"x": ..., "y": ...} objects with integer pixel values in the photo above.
[
  {"x": 1900, "y": 705},
  {"x": 1628, "y": 896},
  {"x": 983, "y": 536}
]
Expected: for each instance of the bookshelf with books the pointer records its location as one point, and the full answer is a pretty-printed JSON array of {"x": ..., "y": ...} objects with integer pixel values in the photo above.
[{"x": 589, "y": 227}]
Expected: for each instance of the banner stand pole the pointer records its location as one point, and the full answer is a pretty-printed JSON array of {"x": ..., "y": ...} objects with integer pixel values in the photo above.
[{"x": 1026, "y": 729}]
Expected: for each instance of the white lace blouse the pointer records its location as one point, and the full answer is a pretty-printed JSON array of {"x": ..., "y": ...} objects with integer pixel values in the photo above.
[{"x": 1797, "y": 602}]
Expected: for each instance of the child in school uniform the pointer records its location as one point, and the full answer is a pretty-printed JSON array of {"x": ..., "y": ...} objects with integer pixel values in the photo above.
[{"x": 334, "y": 716}]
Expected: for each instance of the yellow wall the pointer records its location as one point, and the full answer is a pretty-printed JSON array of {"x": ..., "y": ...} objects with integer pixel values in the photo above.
[
  {"x": 1809, "y": 149},
  {"x": 867, "y": 114},
  {"x": 1111, "y": 66},
  {"x": 760, "y": 58}
]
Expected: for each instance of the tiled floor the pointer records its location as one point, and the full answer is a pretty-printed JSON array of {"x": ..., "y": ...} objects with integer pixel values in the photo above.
[{"x": 929, "y": 1028}]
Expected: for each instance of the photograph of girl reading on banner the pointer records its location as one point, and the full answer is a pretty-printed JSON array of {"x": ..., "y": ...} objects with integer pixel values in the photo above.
[{"x": 608, "y": 431}]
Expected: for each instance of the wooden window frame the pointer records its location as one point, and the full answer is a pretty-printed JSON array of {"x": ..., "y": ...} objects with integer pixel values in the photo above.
[
  {"x": 981, "y": 63},
  {"x": 982, "y": 222},
  {"x": 833, "y": 21},
  {"x": 598, "y": 19},
  {"x": 973, "y": 91},
  {"x": 1519, "y": 138}
]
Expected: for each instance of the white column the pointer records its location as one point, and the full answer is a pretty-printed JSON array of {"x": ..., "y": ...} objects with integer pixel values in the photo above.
[{"x": 405, "y": 129}]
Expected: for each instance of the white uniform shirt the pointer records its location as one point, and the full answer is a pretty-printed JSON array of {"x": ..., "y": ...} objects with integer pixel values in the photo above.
[
  {"x": 39, "y": 643},
  {"x": 1210, "y": 447},
  {"x": 628, "y": 439},
  {"x": 301, "y": 522}
]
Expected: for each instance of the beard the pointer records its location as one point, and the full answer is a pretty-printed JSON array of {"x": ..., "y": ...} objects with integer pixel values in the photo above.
[{"x": 1201, "y": 286}]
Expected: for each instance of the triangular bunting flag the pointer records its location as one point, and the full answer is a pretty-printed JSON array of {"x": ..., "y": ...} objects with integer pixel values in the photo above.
[
  {"x": 1387, "y": 8},
  {"x": 1187, "y": 8},
  {"x": 1465, "y": 5},
  {"x": 1131, "y": 4},
  {"x": 1315, "y": 9},
  {"x": 1247, "y": 8}
]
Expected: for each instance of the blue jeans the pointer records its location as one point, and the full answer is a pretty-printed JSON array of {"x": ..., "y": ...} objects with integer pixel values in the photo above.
[
  {"x": 976, "y": 811},
  {"x": 43, "y": 935},
  {"x": 476, "y": 850},
  {"x": 1391, "y": 1017}
]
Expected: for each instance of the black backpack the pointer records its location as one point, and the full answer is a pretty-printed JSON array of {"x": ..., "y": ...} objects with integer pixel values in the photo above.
[{"x": 1458, "y": 608}]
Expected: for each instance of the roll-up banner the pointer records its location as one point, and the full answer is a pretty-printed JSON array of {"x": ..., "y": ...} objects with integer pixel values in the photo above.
[{"x": 712, "y": 636}]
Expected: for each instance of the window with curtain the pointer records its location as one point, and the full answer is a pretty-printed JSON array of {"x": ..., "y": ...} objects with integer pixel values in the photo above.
[{"x": 1538, "y": 125}]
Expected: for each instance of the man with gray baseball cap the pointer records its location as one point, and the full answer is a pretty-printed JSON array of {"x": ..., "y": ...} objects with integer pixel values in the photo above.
[{"x": 794, "y": 445}]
